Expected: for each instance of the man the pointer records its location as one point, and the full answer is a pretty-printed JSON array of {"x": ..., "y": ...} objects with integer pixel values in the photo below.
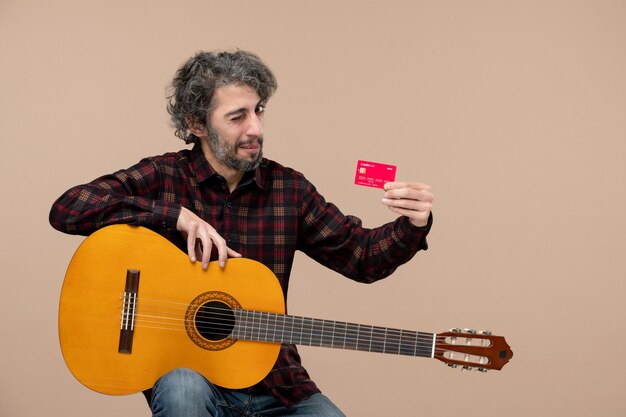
[{"x": 222, "y": 199}]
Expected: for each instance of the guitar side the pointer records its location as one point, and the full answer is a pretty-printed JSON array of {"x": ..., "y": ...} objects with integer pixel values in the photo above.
[{"x": 90, "y": 313}]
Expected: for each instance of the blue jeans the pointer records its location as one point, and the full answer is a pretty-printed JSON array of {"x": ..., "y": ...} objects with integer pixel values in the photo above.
[{"x": 186, "y": 393}]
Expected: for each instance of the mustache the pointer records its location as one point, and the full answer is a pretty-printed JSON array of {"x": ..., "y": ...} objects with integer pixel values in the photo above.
[{"x": 258, "y": 140}]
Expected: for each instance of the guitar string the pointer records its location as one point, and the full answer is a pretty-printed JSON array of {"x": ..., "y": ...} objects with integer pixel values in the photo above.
[
  {"x": 315, "y": 323},
  {"x": 312, "y": 338},
  {"x": 350, "y": 344},
  {"x": 224, "y": 312},
  {"x": 354, "y": 344},
  {"x": 351, "y": 334},
  {"x": 220, "y": 313},
  {"x": 473, "y": 360},
  {"x": 353, "y": 339}
]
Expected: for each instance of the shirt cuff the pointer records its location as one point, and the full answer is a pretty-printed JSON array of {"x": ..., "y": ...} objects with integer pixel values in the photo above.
[
  {"x": 165, "y": 215},
  {"x": 410, "y": 234}
]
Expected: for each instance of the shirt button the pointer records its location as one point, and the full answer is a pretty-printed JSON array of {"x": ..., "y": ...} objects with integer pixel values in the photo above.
[
  {"x": 229, "y": 204},
  {"x": 229, "y": 239}
]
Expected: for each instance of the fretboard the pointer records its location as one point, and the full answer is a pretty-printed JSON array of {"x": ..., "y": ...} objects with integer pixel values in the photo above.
[{"x": 280, "y": 328}]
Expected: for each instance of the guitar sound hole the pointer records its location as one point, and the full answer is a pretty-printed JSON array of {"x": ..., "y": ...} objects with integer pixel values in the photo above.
[{"x": 215, "y": 320}]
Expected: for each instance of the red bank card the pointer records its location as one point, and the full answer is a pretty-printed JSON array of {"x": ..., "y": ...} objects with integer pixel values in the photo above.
[{"x": 374, "y": 174}]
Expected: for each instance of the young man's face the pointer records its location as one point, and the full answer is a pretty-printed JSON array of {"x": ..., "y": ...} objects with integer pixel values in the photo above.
[{"x": 236, "y": 133}]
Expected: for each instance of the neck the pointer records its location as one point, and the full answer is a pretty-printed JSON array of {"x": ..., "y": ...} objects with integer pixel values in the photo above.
[
  {"x": 231, "y": 175},
  {"x": 273, "y": 328}
]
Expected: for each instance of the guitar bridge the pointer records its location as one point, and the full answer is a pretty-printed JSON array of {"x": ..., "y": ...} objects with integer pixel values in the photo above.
[{"x": 129, "y": 307}]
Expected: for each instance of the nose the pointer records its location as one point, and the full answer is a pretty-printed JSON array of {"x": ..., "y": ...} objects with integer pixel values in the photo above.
[{"x": 255, "y": 126}]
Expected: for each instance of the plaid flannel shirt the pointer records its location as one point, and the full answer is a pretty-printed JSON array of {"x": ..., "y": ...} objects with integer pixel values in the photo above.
[{"x": 272, "y": 213}]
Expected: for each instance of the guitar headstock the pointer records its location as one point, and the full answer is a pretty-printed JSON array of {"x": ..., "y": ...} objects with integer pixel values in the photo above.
[{"x": 472, "y": 349}]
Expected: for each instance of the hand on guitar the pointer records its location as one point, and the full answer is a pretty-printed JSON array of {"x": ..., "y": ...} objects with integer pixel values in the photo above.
[{"x": 201, "y": 237}]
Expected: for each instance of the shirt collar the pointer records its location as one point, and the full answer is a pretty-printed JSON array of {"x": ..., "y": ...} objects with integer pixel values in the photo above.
[{"x": 204, "y": 171}]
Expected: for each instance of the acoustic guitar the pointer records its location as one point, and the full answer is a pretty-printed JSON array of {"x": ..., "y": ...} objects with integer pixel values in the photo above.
[{"x": 133, "y": 308}]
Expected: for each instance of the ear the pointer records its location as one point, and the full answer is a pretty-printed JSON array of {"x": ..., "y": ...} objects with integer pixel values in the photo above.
[{"x": 196, "y": 127}]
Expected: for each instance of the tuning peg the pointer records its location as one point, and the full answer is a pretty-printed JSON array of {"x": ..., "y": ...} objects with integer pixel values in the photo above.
[
  {"x": 467, "y": 368},
  {"x": 483, "y": 370},
  {"x": 453, "y": 365},
  {"x": 470, "y": 331},
  {"x": 456, "y": 330},
  {"x": 486, "y": 332}
]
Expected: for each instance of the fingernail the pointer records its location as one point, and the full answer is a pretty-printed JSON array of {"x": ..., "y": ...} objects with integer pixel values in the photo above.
[
  {"x": 222, "y": 264},
  {"x": 205, "y": 265}
]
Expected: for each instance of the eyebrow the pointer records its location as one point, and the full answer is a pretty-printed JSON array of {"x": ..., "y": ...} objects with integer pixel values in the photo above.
[
  {"x": 236, "y": 111},
  {"x": 243, "y": 109}
]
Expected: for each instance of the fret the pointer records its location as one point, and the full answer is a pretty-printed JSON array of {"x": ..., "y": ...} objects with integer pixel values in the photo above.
[
  {"x": 252, "y": 326},
  {"x": 264, "y": 325},
  {"x": 257, "y": 325},
  {"x": 280, "y": 318},
  {"x": 241, "y": 324},
  {"x": 277, "y": 327},
  {"x": 392, "y": 341},
  {"x": 339, "y": 335},
  {"x": 271, "y": 328},
  {"x": 378, "y": 339},
  {"x": 307, "y": 331},
  {"x": 364, "y": 338},
  {"x": 352, "y": 334},
  {"x": 424, "y": 344},
  {"x": 408, "y": 343},
  {"x": 247, "y": 326},
  {"x": 297, "y": 330},
  {"x": 327, "y": 333},
  {"x": 256, "y": 321},
  {"x": 317, "y": 330},
  {"x": 288, "y": 330}
]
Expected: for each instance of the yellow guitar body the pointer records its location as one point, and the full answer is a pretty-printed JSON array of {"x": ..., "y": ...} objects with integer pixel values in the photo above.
[{"x": 91, "y": 313}]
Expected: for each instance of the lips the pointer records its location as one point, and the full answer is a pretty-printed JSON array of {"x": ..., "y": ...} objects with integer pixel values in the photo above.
[{"x": 250, "y": 146}]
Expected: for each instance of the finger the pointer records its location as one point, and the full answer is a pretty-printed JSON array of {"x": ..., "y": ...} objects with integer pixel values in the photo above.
[
  {"x": 191, "y": 245},
  {"x": 418, "y": 218},
  {"x": 403, "y": 184},
  {"x": 408, "y": 204},
  {"x": 409, "y": 193},
  {"x": 206, "y": 251},
  {"x": 234, "y": 254},
  {"x": 222, "y": 250},
  {"x": 198, "y": 249}
]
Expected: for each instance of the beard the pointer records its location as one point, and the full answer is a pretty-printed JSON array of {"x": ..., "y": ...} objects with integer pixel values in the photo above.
[{"x": 227, "y": 154}]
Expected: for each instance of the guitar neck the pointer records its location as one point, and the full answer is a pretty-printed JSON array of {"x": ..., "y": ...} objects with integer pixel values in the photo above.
[{"x": 281, "y": 328}]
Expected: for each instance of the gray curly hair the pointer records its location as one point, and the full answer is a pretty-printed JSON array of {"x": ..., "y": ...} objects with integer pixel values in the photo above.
[{"x": 190, "y": 96}]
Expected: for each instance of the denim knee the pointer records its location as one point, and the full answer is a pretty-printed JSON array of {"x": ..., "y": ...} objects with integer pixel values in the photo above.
[{"x": 182, "y": 392}]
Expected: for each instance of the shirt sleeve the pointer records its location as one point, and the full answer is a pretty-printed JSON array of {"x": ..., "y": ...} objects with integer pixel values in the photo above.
[
  {"x": 127, "y": 196},
  {"x": 342, "y": 244}
]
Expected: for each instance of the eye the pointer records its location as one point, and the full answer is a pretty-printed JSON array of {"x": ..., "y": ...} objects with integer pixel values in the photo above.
[{"x": 260, "y": 108}]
